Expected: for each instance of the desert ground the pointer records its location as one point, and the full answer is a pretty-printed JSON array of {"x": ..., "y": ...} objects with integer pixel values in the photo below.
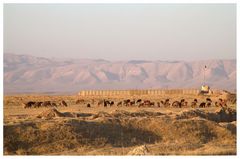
[{"x": 86, "y": 127}]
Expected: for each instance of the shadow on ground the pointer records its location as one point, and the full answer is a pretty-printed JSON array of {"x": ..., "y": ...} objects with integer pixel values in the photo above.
[{"x": 39, "y": 138}]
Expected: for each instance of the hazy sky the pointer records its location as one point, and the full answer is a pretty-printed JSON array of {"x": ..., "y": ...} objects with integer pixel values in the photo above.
[{"x": 121, "y": 31}]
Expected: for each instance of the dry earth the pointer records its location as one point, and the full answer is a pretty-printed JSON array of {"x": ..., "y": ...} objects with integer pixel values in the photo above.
[{"x": 79, "y": 130}]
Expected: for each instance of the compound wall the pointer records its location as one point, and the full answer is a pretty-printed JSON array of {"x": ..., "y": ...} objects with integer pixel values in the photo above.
[{"x": 137, "y": 92}]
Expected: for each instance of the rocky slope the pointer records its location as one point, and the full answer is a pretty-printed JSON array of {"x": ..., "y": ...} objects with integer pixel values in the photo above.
[{"x": 24, "y": 73}]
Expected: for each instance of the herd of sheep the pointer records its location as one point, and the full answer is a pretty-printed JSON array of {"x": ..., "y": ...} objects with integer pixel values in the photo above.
[
  {"x": 165, "y": 103},
  {"x": 32, "y": 104}
]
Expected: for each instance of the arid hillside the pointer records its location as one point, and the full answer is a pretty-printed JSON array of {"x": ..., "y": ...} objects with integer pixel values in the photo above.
[
  {"x": 23, "y": 73},
  {"x": 74, "y": 125}
]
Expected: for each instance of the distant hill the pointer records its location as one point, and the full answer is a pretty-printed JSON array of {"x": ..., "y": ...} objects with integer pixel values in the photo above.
[{"x": 24, "y": 73}]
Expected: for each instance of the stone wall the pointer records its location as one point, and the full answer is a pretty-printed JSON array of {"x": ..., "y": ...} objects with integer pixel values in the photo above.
[{"x": 137, "y": 92}]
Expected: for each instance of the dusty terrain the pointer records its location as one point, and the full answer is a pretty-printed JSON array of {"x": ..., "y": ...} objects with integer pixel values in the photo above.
[{"x": 117, "y": 130}]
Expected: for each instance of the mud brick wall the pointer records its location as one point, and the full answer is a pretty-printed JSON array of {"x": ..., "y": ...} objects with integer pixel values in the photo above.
[{"x": 137, "y": 92}]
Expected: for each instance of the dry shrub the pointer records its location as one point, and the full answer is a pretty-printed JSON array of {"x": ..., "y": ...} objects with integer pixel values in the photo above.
[
  {"x": 191, "y": 114},
  {"x": 71, "y": 134},
  {"x": 117, "y": 129},
  {"x": 53, "y": 112},
  {"x": 101, "y": 114},
  {"x": 141, "y": 113},
  {"x": 230, "y": 126},
  {"x": 220, "y": 115},
  {"x": 141, "y": 150},
  {"x": 50, "y": 113}
]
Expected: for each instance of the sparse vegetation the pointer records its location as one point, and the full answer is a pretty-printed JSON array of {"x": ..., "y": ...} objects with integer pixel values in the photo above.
[{"x": 113, "y": 130}]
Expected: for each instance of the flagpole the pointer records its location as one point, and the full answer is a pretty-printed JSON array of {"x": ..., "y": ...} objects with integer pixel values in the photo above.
[{"x": 204, "y": 75}]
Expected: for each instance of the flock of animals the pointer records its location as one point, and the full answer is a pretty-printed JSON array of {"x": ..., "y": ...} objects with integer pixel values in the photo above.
[
  {"x": 32, "y": 104},
  {"x": 166, "y": 103},
  {"x": 163, "y": 103}
]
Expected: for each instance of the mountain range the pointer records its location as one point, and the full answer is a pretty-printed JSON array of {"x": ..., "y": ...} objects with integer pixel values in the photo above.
[{"x": 25, "y": 73}]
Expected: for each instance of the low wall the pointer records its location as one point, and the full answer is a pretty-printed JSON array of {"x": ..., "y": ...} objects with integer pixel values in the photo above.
[{"x": 137, "y": 92}]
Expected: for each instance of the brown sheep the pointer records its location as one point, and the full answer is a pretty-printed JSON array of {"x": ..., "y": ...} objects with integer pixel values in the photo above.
[
  {"x": 202, "y": 105},
  {"x": 46, "y": 103},
  {"x": 152, "y": 104},
  {"x": 166, "y": 103},
  {"x": 141, "y": 105},
  {"x": 216, "y": 104},
  {"x": 208, "y": 100},
  {"x": 176, "y": 104},
  {"x": 184, "y": 104},
  {"x": 223, "y": 103},
  {"x": 209, "y": 104},
  {"x": 63, "y": 103},
  {"x": 147, "y": 102},
  {"x": 111, "y": 103},
  {"x": 139, "y": 101},
  {"x": 126, "y": 102},
  {"x": 37, "y": 104},
  {"x": 194, "y": 104},
  {"x": 29, "y": 104},
  {"x": 80, "y": 101},
  {"x": 119, "y": 103},
  {"x": 132, "y": 102},
  {"x": 182, "y": 100},
  {"x": 54, "y": 104},
  {"x": 100, "y": 102}
]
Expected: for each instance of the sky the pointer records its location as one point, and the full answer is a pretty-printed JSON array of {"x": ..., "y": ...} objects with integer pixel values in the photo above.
[{"x": 121, "y": 31}]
